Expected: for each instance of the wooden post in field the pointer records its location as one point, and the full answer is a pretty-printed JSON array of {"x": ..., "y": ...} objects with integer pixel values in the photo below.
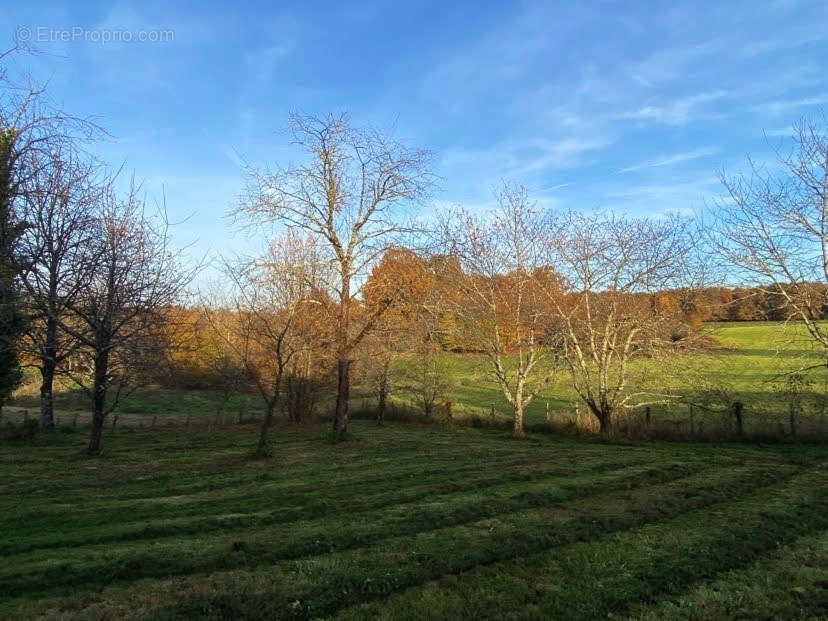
[
  {"x": 74, "y": 421},
  {"x": 154, "y": 420},
  {"x": 692, "y": 421},
  {"x": 792, "y": 418},
  {"x": 647, "y": 416},
  {"x": 737, "y": 415}
]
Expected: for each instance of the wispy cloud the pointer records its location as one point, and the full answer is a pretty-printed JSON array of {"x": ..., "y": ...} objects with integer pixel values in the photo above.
[
  {"x": 515, "y": 158},
  {"x": 676, "y": 112},
  {"x": 780, "y": 106},
  {"x": 669, "y": 160}
]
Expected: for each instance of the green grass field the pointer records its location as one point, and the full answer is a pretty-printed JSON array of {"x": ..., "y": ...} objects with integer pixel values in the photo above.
[
  {"x": 747, "y": 359},
  {"x": 410, "y": 521}
]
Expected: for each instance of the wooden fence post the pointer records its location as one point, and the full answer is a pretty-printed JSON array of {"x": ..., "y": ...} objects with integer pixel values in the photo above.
[
  {"x": 737, "y": 414},
  {"x": 647, "y": 416},
  {"x": 792, "y": 419}
]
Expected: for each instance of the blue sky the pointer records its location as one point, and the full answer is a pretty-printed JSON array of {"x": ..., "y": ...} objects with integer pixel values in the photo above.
[{"x": 622, "y": 105}]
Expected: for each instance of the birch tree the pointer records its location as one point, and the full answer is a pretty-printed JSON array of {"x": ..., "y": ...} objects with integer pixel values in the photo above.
[
  {"x": 612, "y": 267},
  {"x": 499, "y": 262}
]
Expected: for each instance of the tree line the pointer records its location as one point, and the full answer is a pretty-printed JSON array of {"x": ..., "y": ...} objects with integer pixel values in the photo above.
[{"x": 92, "y": 289}]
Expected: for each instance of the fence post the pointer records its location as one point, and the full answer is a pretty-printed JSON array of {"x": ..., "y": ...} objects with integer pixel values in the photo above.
[
  {"x": 792, "y": 419},
  {"x": 692, "y": 421},
  {"x": 647, "y": 416},
  {"x": 74, "y": 421},
  {"x": 737, "y": 414},
  {"x": 154, "y": 420}
]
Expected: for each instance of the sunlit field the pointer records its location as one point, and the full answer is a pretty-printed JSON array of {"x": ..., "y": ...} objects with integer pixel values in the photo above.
[
  {"x": 749, "y": 359},
  {"x": 413, "y": 520},
  {"x": 410, "y": 522},
  {"x": 508, "y": 311}
]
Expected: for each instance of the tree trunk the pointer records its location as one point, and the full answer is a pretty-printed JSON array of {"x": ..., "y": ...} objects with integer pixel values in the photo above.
[
  {"x": 382, "y": 396},
  {"x": 605, "y": 423},
  {"x": 99, "y": 389},
  {"x": 518, "y": 428},
  {"x": 95, "y": 435},
  {"x": 381, "y": 401},
  {"x": 343, "y": 388},
  {"x": 48, "y": 363},
  {"x": 267, "y": 421},
  {"x": 47, "y": 413}
]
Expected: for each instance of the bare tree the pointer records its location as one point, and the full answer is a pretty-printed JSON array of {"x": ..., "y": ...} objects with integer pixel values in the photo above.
[
  {"x": 58, "y": 253},
  {"x": 347, "y": 196},
  {"x": 503, "y": 280},
  {"x": 612, "y": 267},
  {"x": 117, "y": 318},
  {"x": 773, "y": 228},
  {"x": 275, "y": 297},
  {"x": 34, "y": 125},
  {"x": 32, "y": 129},
  {"x": 429, "y": 380}
]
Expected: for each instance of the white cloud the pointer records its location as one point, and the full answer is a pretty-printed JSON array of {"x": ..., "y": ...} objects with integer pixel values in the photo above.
[
  {"x": 783, "y": 105},
  {"x": 669, "y": 160},
  {"x": 676, "y": 112}
]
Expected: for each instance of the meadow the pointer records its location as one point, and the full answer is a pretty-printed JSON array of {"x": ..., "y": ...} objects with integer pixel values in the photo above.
[
  {"x": 747, "y": 360},
  {"x": 410, "y": 521}
]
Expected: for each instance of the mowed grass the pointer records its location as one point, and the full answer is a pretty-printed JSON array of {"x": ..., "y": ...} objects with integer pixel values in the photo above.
[{"x": 410, "y": 522}]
